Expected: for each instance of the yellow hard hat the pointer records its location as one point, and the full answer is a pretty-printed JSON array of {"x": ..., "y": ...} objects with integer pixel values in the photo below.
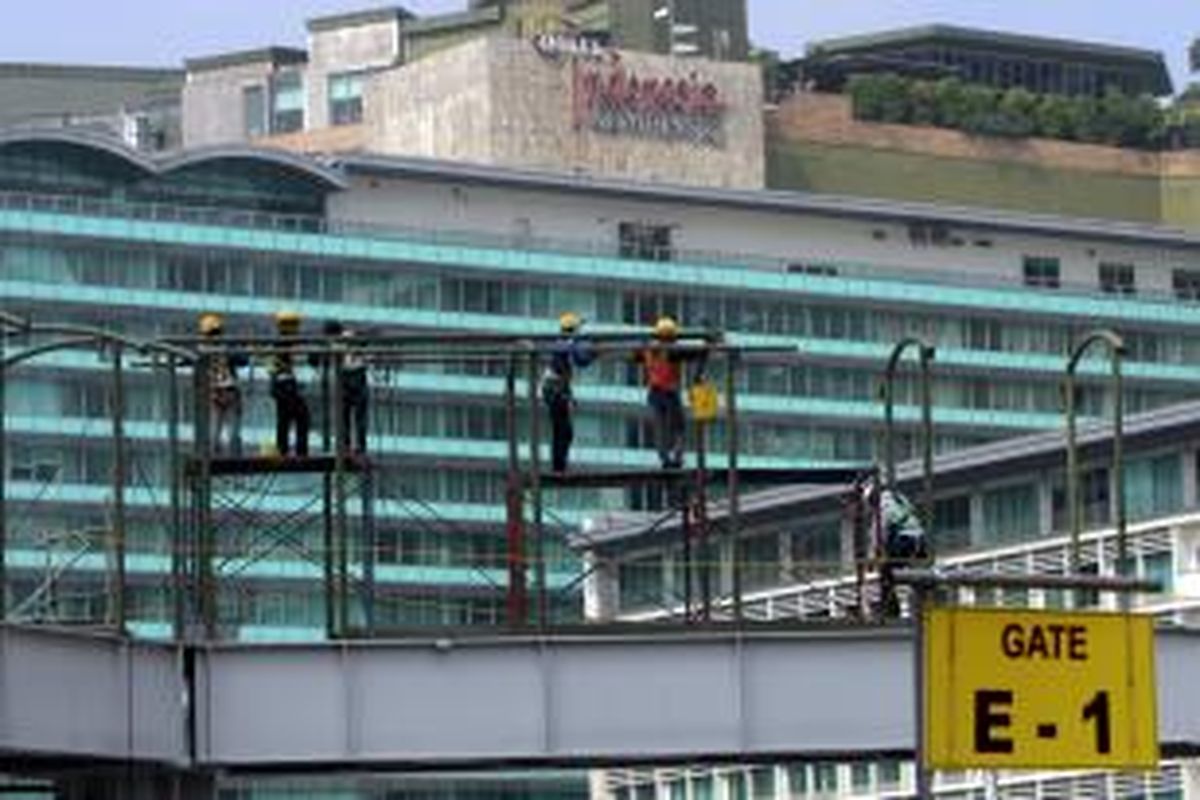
[
  {"x": 210, "y": 324},
  {"x": 287, "y": 319},
  {"x": 569, "y": 322},
  {"x": 666, "y": 328}
]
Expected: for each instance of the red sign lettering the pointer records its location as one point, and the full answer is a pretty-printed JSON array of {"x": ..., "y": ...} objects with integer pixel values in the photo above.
[{"x": 610, "y": 99}]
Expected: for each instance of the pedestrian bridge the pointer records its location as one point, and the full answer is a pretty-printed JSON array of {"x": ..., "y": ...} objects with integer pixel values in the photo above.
[{"x": 592, "y": 697}]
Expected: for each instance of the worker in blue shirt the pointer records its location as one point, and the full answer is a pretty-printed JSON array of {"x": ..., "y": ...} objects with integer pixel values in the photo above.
[
  {"x": 903, "y": 539},
  {"x": 568, "y": 354}
]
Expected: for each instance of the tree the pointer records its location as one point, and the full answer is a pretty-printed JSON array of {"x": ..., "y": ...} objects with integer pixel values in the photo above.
[
  {"x": 1018, "y": 111},
  {"x": 1085, "y": 120},
  {"x": 949, "y": 94},
  {"x": 923, "y": 103},
  {"x": 1194, "y": 55},
  {"x": 980, "y": 112},
  {"x": 1125, "y": 121},
  {"x": 894, "y": 92},
  {"x": 866, "y": 99},
  {"x": 1054, "y": 116}
]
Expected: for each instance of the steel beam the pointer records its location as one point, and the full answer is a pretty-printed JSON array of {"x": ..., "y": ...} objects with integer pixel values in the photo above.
[
  {"x": 71, "y": 695},
  {"x": 610, "y": 696}
]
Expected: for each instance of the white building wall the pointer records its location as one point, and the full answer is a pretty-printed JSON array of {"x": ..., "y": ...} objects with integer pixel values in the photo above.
[{"x": 529, "y": 214}]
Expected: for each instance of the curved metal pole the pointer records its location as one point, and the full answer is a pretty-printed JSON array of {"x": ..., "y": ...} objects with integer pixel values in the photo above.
[
  {"x": 29, "y": 353},
  {"x": 1117, "y": 350},
  {"x": 108, "y": 337},
  {"x": 926, "y": 352}
]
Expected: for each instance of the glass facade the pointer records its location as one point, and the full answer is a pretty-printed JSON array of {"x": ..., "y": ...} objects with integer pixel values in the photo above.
[{"x": 93, "y": 238}]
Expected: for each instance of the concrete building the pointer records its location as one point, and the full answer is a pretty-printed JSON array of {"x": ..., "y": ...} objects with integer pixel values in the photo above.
[
  {"x": 136, "y": 105},
  {"x": 243, "y": 96},
  {"x": 990, "y": 58},
  {"x": 498, "y": 100}
]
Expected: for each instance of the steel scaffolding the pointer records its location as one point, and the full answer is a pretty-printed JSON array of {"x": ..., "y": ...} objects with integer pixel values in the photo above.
[{"x": 209, "y": 508}]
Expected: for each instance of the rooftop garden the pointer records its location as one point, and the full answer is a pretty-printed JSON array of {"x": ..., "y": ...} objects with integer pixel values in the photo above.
[{"x": 1114, "y": 119}]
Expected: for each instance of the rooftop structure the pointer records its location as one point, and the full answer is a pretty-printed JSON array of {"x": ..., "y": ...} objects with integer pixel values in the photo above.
[
  {"x": 992, "y": 58},
  {"x": 713, "y": 29},
  {"x": 499, "y": 100},
  {"x": 138, "y": 105}
]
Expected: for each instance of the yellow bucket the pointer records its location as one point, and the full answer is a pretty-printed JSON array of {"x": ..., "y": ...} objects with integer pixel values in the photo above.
[{"x": 704, "y": 400}]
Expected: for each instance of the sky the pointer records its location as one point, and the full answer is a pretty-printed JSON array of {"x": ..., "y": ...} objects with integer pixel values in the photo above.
[{"x": 164, "y": 32}]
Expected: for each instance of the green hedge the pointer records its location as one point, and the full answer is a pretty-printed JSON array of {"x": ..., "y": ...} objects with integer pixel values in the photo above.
[{"x": 1114, "y": 119}]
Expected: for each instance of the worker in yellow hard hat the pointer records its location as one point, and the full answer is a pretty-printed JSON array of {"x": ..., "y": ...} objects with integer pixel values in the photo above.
[
  {"x": 225, "y": 395},
  {"x": 569, "y": 353},
  {"x": 291, "y": 409},
  {"x": 662, "y": 365}
]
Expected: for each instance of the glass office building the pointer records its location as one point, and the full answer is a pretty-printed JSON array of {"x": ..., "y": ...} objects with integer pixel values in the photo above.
[{"x": 92, "y": 233}]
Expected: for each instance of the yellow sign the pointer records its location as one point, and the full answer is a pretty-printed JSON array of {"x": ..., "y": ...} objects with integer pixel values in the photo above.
[{"x": 1039, "y": 689}]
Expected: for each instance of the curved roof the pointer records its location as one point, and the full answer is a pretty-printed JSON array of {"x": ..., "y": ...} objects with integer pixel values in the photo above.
[
  {"x": 301, "y": 165},
  {"x": 80, "y": 138}
]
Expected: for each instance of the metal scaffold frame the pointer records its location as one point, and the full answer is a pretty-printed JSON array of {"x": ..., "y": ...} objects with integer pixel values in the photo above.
[{"x": 199, "y": 474}]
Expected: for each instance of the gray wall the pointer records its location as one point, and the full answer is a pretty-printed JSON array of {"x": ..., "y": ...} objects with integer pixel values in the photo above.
[
  {"x": 104, "y": 99},
  {"x": 367, "y": 46},
  {"x": 496, "y": 100},
  {"x": 213, "y": 111}
]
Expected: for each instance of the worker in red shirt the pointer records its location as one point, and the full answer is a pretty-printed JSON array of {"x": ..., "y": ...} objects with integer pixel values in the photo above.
[{"x": 662, "y": 366}]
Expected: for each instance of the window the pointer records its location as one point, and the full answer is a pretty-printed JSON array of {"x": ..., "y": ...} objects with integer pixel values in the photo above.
[
  {"x": 254, "y": 111},
  {"x": 736, "y": 789},
  {"x": 1153, "y": 486},
  {"x": 345, "y": 98},
  {"x": 1042, "y": 272},
  {"x": 889, "y": 774},
  {"x": 824, "y": 270},
  {"x": 1186, "y": 283},
  {"x": 760, "y": 560},
  {"x": 1094, "y": 502},
  {"x": 952, "y": 524},
  {"x": 797, "y": 779},
  {"x": 1117, "y": 279},
  {"x": 825, "y": 777},
  {"x": 644, "y": 241},
  {"x": 1010, "y": 514},
  {"x": 287, "y": 103},
  {"x": 762, "y": 783},
  {"x": 641, "y": 582}
]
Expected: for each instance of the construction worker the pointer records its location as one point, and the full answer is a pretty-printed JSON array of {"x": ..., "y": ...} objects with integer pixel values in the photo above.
[
  {"x": 662, "y": 365},
  {"x": 225, "y": 395},
  {"x": 354, "y": 390},
  {"x": 290, "y": 406},
  {"x": 569, "y": 353},
  {"x": 902, "y": 539}
]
